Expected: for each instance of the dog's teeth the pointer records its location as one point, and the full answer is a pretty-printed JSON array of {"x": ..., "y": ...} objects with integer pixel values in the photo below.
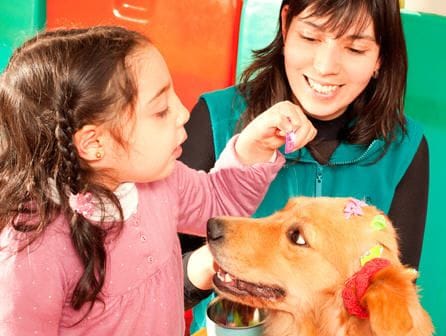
[
  {"x": 256, "y": 316},
  {"x": 221, "y": 275},
  {"x": 228, "y": 278}
]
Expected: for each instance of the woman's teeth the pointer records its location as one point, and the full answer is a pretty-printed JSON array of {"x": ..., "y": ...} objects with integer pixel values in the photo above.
[{"x": 324, "y": 89}]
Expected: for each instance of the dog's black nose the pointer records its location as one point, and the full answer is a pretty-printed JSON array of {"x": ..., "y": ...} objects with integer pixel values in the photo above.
[{"x": 215, "y": 229}]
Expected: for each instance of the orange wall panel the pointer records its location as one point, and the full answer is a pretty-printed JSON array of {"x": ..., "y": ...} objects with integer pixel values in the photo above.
[{"x": 198, "y": 38}]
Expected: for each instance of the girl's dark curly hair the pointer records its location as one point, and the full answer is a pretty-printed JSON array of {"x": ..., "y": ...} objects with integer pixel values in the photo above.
[{"x": 54, "y": 84}]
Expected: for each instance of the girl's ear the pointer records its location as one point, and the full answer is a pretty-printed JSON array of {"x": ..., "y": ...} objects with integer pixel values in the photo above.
[
  {"x": 283, "y": 16},
  {"x": 88, "y": 142}
]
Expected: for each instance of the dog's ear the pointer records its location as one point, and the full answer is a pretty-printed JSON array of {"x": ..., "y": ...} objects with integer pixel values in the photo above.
[{"x": 393, "y": 305}]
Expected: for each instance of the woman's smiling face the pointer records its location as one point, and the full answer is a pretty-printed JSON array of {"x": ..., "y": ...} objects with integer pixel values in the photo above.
[{"x": 327, "y": 72}]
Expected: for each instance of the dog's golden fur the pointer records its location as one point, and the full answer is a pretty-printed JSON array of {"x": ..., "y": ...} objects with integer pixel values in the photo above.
[{"x": 301, "y": 283}]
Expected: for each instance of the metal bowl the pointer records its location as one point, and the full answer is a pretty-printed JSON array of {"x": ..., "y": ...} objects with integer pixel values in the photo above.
[{"x": 227, "y": 318}]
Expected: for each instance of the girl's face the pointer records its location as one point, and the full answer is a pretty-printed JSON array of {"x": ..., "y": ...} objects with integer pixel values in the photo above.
[
  {"x": 326, "y": 73},
  {"x": 156, "y": 131}
]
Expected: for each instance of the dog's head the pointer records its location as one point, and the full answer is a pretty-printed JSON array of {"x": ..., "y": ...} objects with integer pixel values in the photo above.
[{"x": 299, "y": 260}]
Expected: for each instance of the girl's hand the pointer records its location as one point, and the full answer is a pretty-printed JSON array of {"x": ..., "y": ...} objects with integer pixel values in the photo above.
[{"x": 262, "y": 136}]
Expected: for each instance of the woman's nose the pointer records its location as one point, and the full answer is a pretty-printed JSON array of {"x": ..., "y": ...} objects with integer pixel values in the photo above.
[{"x": 327, "y": 58}]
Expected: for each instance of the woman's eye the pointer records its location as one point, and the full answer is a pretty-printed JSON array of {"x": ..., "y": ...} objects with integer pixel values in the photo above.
[
  {"x": 356, "y": 51},
  {"x": 308, "y": 38}
]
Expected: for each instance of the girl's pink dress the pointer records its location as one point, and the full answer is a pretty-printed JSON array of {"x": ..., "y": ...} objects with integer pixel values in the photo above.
[{"x": 143, "y": 293}]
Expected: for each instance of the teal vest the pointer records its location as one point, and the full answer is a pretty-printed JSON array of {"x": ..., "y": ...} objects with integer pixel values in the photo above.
[{"x": 358, "y": 171}]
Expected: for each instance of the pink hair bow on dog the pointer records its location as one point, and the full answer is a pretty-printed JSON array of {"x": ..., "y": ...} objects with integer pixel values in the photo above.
[
  {"x": 354, "y": 208},
  {"x": 82, "y": 204}
]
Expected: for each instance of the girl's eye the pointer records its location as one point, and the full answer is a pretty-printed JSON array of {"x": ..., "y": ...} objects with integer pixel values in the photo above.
[{"x": 162, "y": 114}]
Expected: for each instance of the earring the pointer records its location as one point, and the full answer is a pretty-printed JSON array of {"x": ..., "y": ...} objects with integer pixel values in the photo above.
[
  {"x": 375, "y": 74},
  {"x": 100, "y": 150}
]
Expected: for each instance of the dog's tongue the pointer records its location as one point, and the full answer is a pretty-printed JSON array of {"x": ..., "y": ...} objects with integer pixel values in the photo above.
[{"x": 227, "y": 282}]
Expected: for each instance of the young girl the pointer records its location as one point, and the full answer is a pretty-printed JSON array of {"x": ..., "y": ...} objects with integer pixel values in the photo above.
[
  {"x": 345, "y": 63},
  {"x": 91, "y": 194}
]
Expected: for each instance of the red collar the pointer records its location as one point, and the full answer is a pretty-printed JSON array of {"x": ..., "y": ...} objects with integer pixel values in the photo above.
[{"x": 356, "y": 286}]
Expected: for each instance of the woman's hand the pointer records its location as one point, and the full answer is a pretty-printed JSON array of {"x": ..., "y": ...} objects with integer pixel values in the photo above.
[
  {"x": 201, "y": 268},
  {"x": 267, "y": 132}
]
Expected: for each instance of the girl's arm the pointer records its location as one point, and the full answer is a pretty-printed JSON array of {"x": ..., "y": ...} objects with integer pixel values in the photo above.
[
  {"x": 409, "y": 206},
  {"x": 231, "y": 188},
  {"x": 244, "y": 170}
]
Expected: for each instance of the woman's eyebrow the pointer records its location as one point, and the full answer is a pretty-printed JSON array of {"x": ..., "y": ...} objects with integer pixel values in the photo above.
[
  {"x": 312, "y": 24},
  {"x": 349, "y": 37},
  {"x": 361, "y": 37}
]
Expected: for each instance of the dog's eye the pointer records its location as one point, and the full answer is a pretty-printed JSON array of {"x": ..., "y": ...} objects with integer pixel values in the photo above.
[{"x": 296, "y": 237}]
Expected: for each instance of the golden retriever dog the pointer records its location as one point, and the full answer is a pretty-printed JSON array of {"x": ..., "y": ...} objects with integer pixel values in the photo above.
[{"x": 322, "y": 266}]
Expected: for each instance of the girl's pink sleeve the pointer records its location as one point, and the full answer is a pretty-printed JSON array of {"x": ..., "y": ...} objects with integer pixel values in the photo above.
[
  {"x": 231, "y": 188},
  {"x": 31, "y": 292}
]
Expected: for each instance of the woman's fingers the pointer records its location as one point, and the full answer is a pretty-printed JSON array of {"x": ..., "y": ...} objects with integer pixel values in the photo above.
[
  {"x": 293, "y": 125},
  {"x": 303, "y": 135},
  {"x": 267, "y": 132}
]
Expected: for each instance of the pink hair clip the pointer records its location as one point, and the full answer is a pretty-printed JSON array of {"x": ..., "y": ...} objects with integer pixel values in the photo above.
[
  {"x": 290, "y": 142},
  {"x": 81, "y": 204},
  {"x": 354, "y": 208}
]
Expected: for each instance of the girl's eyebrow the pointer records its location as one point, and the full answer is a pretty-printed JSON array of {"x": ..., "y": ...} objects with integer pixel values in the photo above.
[
  {"x": 149, "y": 102},
  {"x": 160, "y": 92},
  {"x": 349, "y": 37}
]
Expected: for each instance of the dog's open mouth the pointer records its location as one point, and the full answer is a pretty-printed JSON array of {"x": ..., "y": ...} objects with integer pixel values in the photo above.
[{"x": 230, "y": 284}]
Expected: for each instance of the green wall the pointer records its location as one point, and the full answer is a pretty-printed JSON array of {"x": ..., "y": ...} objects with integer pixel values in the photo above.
[
  {"x": 19, "y": 20},
  {"x": 426, "y": 102}
]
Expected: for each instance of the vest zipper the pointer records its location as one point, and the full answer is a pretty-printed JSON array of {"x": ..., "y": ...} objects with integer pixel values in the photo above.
[
  {"x": 320, "y": 168},
  {"x": 319, "y": 180}
]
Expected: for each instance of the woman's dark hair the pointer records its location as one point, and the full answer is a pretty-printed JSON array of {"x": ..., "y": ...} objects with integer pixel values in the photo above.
[
  {"x": 54, "y": 84},
  {"x": 378, "y": 110}
]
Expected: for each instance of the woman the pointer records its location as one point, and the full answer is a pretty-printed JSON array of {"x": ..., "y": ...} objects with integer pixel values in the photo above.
[{"x": 345, "y": 63}]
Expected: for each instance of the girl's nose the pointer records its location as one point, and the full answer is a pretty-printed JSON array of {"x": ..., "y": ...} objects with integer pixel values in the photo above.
[
  {"x": 182, "y": 113},
  {"x": 326, "y": 58}
]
